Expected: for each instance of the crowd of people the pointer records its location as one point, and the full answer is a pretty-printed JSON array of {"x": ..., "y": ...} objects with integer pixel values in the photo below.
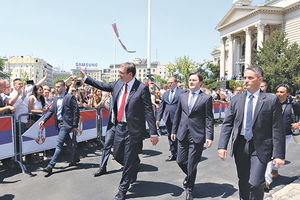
[{"x": 187, "y": 115}]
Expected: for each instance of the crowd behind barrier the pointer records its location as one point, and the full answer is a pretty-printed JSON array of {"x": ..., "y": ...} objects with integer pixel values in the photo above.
[
  {"x": 92, "y": 125},
  {"x": 37, "y": 139}
]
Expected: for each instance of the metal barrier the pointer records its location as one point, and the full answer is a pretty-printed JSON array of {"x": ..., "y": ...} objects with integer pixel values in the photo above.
[{"x": 37, "y": 139}]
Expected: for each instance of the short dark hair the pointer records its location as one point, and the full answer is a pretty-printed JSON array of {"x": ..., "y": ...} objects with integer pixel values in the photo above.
[
  {"x": 130, "y": 67},
  {"x": 286, "y": 86},
  {"x": 196, "y": 73},
  {"x": 61, "y": 81},
  {"x": 17, "y": 79},
  {"x": 256, "y": 69}
]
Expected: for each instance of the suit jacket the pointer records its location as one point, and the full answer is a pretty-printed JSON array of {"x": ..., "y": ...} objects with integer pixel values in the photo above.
[
  {"x": 267, "y": 128},
  {"x": 199, "y": 122},
  {"x": 138, "y": 107},
  {"x": 70, "y": 112},
  {"x": 169, "y": 107}
]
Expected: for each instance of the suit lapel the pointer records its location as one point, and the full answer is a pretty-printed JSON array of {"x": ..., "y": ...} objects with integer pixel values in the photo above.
[
  {"x": 185, "y": 99},
  {"x": 197, "y": 102},
  {"x": 175, "y": 95},
  {"x": 167, "y": 96},
  {"x": 242, "y": 106},
  {"x": 260, "y": 102},
  {"x": 132, "y": 91},
  {"x": 118, "y": 88}
]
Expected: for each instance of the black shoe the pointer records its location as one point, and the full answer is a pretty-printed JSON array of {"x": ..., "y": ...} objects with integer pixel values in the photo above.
[
  {"x": 184, "y": 182},
  {"x": 120, "y": 196},
  {"x": 189, "y": 196},
  {"x": 100, "y": 172},
  {"x": 48, "y": 170},
  {"x": 171, "y": 158},
  {"x": 74, "y": 163}
]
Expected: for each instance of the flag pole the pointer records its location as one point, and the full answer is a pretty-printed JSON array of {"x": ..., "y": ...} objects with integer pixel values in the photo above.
[
  {"x": 149, "y": 39},
  {"x": 115, "y": 56}
]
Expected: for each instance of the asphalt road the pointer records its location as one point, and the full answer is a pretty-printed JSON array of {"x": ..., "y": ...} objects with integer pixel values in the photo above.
[{"x": 157, "y": 179}]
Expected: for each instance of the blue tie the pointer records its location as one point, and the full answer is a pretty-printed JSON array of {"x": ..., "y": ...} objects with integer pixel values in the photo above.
[
  {"x": 171, "y": 96},
  {"x": 190, "y": 105},
  {"x": 248, "y": 129}
]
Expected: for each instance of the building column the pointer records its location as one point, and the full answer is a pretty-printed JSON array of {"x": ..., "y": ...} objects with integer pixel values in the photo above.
[
  {"x": 230, "y": 57},
  {"x": 237, "y": 47},
  {"x": 260, "y": 34},
  {"x": 248, "y": 48},
  {"x": 222, "y": 58}
]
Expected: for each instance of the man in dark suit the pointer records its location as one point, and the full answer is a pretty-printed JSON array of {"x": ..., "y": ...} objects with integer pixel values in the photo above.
[
  {"x": 132, "y": 107},
  {"x": 66, "y": 115},
  {"x": 193, "y": 127},
  {"x": 255, "y": 119},
  {"x": 168, "y": 105}
]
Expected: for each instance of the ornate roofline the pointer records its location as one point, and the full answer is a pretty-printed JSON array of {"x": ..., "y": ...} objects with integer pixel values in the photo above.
[
  {"x": 258, "y": 10},
  {"x": 292, "y": 7},
  {"x": 232, "y": 10}
]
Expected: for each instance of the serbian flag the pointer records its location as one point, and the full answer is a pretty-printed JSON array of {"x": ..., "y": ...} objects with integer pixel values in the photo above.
[{"x": 114, "y": 25}]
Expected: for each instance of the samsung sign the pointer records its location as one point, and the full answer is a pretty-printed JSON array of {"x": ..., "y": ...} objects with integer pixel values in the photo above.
[{"x": 86, "y": 64}]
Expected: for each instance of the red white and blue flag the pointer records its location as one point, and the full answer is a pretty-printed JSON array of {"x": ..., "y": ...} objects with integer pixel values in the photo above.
[{"x": 114, "y": 25}]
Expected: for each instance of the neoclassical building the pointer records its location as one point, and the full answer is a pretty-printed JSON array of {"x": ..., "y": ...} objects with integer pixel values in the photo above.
[{"x": 245, "y": 27}]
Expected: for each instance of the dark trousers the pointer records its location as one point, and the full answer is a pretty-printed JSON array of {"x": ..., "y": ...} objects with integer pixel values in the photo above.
[
  {"x": 64, "y": 137},
  {"x": 173, "y": 145},
  {"x": 126, "y": 153},
  {"x": 188, "y": 156},
  {"x": 109, "y": 141},
  {"x": 251, "y": 171}
]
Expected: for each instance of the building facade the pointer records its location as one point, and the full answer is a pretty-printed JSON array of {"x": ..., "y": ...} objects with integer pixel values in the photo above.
[
  {"x": 245, "y": 27},
  {"x": 32, "y": 67},
  {"x": 141, "y": 70},
  {"x": 94, "y": 73}
]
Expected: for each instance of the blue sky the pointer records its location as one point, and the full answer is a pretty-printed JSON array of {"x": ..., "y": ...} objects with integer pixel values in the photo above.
[{"x": 64, "y": 32}]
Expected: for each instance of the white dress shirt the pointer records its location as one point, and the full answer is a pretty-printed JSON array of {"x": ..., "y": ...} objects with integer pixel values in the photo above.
[
  {"x": 59, "y": 106},
  {"x": 172, "y": 94},
  {"x": 254, "y": 101},
  {"x": 119, "y": 100},
  {"x": 195, "y": 97}
]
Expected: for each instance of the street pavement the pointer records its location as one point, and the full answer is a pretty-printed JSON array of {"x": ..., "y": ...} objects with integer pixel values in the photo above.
[{"x": 157, "y": 179}]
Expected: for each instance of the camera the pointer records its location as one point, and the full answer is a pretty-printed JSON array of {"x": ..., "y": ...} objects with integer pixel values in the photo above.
[
  {"x": 78, "y": 83},
  {"x": 29, "y": 82}
]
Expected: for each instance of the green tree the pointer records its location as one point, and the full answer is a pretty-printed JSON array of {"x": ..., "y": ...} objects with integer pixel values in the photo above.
[
  {"x": 25, "y": 78},
  {"x": 157, "y": 79},
  {"x": 280, "y": 61},
  {"x": 3, "y": 75},
  {"x": 182, "y": 68}
]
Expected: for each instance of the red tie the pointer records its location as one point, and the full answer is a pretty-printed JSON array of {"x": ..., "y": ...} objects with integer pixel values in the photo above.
[{"x": 120, "y": 112}]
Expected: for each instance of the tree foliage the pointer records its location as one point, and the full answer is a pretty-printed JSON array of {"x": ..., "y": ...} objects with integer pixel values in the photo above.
[
  {"x": 158, "y": 79},
  {"x": 3, "y": 75},
  {"x": 182, "y": 68},
  {"x": 280, "y": 61}
]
